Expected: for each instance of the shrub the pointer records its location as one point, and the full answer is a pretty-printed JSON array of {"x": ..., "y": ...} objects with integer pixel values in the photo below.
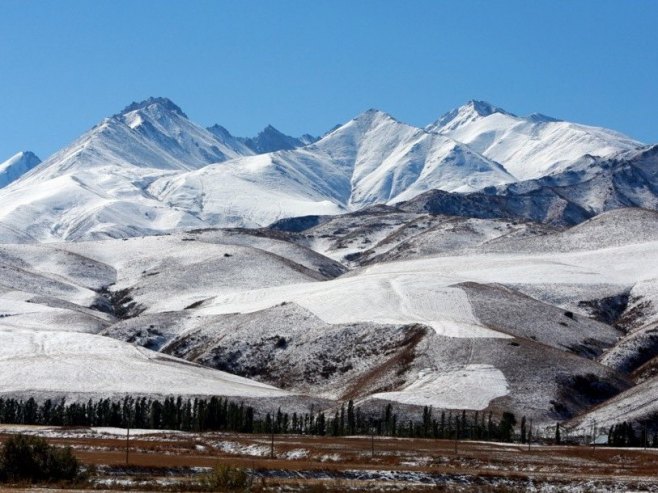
[
  {"x": 25, "y": 458},
  {"x": 228, "y": 478}
]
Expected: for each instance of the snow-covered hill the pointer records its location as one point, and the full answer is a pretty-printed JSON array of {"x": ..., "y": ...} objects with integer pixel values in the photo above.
[
  {"x": 528, "y": 147},
  {"x": 149, "y": 170},
  {"x": 371, "y": 159},
  {"x": 586, "y": 188},
  {"x": 16, "y": 166},
  {"x": 96, "y": 187},
  {"x": 493, "y": 308},
  {"x": 154, "y": 133},
  {"x": 145, "y": 171}
]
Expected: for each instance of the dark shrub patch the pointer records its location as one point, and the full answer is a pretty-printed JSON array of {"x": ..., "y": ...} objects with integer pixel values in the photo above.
[{"x": 25, "y": 458}]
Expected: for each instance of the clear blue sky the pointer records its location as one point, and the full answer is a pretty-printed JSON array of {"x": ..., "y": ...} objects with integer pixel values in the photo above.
[{"x": 304, "y": 66}]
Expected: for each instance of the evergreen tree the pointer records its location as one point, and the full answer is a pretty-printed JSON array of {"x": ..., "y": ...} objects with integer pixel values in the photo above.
[{"x": 558, "y": 436}]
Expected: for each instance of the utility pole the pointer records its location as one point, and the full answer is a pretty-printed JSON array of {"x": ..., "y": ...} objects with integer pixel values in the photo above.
[
  {"x": 272, "y": 444},
  {"x": 127, "y": 441},
  {"x": 593, "y": 435},
  {"x": 372, "y": 442},
  {"x": 530, "y": 435}
]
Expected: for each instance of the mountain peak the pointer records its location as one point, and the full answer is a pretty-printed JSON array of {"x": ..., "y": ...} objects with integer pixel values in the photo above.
[
  {"x": 540, "y": 117},
  {"x": 375, "y": 112},
  {"x": 270, "y": 130},
  {"x": 165, "y": 104},
  {"x": 219, "y": 131},
  {"x": 28, "y": 155},
  {"x": 472, "y": 110},
  {"x": 270, "y": 139},
  {"x": 374, "y": 115},
  {"x": 16, "y": 166},
  {"x": 484, "y": 108}
]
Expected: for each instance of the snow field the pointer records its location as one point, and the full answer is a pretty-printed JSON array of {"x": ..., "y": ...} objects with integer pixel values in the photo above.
[
  {"x": 471, "y": 387},
  {"x": 39, "y": 362}
]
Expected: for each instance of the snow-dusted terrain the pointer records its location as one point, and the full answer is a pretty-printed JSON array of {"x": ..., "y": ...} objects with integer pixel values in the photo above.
[
  {"x": 481, "y": 314},
  {"x": 16, "y": 166},
  {"x": 488, "y": 261},
  {"x": 529, "y": 147},
  {"x": 149, "y": 170},
  {"x": 74, "y": 365}
]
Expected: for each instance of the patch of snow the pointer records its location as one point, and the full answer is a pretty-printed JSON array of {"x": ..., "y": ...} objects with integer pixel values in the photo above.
[{"x": 471, "y": 387}]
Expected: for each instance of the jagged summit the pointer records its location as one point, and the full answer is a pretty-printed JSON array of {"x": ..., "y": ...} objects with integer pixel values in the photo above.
[
  {"x": 528, "y": 147},
  {"x": 151, "y": 169},
  {"x": 158, "y": 102},
  {"x": 470, "y": 111},
  {"x": 373, "y": 114},
  {"x": 483, "y": 108},
  {"x": 270, "y": 139},
  {"x": 29, "y": 155},
  {"x": 219, "y": 131},
  {"x": 540, "y": 117},
  {"x": 16, "y": 166}
]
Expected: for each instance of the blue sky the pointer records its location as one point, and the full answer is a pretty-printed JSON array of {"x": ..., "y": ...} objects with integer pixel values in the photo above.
[{"x": 304, "y": 66}]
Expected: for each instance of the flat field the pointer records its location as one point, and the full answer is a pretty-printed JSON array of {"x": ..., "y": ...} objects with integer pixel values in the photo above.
[{"x": 174, "y": 461}]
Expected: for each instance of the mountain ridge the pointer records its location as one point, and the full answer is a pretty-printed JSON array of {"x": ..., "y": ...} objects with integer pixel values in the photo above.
[{"x": 149, "y": 169}]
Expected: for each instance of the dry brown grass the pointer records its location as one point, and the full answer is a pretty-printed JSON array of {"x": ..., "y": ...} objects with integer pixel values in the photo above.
[{"x": 488, "y": 462}]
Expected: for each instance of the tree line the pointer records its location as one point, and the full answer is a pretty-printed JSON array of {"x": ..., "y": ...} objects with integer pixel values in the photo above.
[
  {"x": 222, "y": 414},
  {"x": 625, "y": 435}
]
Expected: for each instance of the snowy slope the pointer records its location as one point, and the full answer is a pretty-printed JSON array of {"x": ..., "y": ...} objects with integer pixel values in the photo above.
[
  {"x": 154, "y": 133},
  {"x": 389, "y": 161},
  {"x": 528, "y": 147},
  {"x": 149, "y": 170},
  {"x": 257, "y": 190},
  {"x": 250, "y": 303},
  {"x": 144, "y": 171},
  {"x": 371, "y": 159},
  {"x": 289, "y": 347},
  {"x": 96, "y": 187},
  {"x": 79, "y": 365},
  {"x": 16, "y": 166},
  {"x": 52, "y": 307},
  {"x": 584, "y": 189},
  {"x": 637, "y": 404},
  {"x": 172, "y": 272}
]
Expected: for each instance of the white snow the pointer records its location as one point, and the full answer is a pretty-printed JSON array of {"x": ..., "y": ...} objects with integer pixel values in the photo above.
[
  {"x": 149, "y": 170},
  {"x": 138, "y": 173},
  {"x": 422, "y": 291},
  {"x": 386, "y": 299},
  {"x": 16, "y": 166},
  {"x": 472, "y": 387},
  {"x": 528, "y": 147},
  {"x": 39, "y": 362}
]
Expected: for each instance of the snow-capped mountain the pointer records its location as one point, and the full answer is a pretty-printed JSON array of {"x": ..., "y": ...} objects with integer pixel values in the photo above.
[
  {"x": 154, "y": 133},
  {"x": 490, "y": 311},
  {"x": 586, "y": 188},
  {"x": 270, "y": 139},
  {"x": 149, "y": 169},
  {"x": 370, "y": 159},
  {"x": 389, "y": 161},
  {"x": 528, "y": 147},
  {"x": 16, "y": 166},
  {"x": 224, "y": 136},
  {"x": 97, "y": 185},
  {"x": 145, "y": 170}
]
